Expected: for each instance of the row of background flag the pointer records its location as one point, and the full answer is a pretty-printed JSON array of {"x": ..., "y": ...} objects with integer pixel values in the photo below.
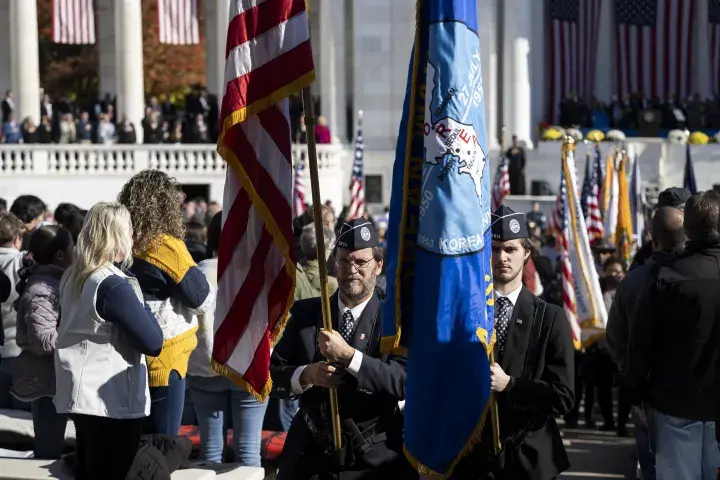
[
  {"x": 612, "y": 205},
  {"x": 73, "y": 22},
  {"x": 356, "y": 207}
]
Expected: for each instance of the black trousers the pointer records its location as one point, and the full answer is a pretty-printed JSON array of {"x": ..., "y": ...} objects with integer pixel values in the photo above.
[
  {"x": 574, "y": 413},
  {"x": 106, "y": 447},
  {"x": 599, "y": 373}
]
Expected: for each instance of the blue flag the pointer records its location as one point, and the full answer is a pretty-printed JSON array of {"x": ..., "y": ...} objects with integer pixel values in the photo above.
[
  {"x": 689, "y": 177},
  {"x": 439, "y": 306}
]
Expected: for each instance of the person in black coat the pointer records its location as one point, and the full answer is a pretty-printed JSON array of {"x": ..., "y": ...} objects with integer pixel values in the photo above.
[
  {"x": 673, "y": 351},
  {"x": 516, "y": 167},
  {"x": 533, "y": 376},
  {"x": 369, "y": 384}
]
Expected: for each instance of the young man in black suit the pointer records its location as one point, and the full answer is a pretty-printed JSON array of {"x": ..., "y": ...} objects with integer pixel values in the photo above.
[
  {"x": 533, "y": 376},
  {"x": 309, "y": 360}
]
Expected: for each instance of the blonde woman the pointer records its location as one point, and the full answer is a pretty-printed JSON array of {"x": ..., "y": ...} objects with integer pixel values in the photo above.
[{"x": 105, "y": 333}]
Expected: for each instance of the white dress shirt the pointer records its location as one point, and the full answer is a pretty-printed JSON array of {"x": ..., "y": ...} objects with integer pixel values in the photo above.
[{"x": 354, "y": 367}]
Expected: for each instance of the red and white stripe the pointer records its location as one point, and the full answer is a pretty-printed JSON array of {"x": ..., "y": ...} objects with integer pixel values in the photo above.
[
  {"x": 573, "y": 50},
  {"x": 357, "y": 199},
  {"x": 595, "y": 225},
  {"x": 714, "y": 44},
  {"x": 501, "y": 189},
  {"x": 73, "y": 22},
  {"x": 268, "y": 52},
  {"x": 657, "y": 59},
  {"x": 178, "y": 22}
]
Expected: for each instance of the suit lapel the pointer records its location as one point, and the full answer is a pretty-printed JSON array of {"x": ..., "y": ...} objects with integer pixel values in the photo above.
[
  {"x": 519, "y": 334},
  {"x": 366, "y": 324}
]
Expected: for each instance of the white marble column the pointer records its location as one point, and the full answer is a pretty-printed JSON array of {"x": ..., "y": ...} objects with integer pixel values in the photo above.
[
  {"x": 106, "y": 46},
  {"x": 216, "y": 25},
  {"x": 24, "y": 59},
  {"x": 129, "y": 57},
  {"x": 5, "y": 61},
  {"x": 701, "y": 48},
  {"x": 332, "y": 66},
  {"x": 605, "y": 71},
  {"x": 516, "y": 69},
  {"x": 538, "y": 63},
  {"x": 487, "y": 32}
]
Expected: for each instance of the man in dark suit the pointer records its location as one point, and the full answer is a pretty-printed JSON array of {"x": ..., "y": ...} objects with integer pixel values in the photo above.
[
  {"x": 369, "y": 384},
  {"x": 533, "y": 376}
]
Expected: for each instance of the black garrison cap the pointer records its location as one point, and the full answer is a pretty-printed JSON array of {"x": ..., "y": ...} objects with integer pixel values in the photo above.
[
  {"x": 357, "y": 234},
  {"x": 673, "y": 197},
  {"x": 508, "y": 225}
]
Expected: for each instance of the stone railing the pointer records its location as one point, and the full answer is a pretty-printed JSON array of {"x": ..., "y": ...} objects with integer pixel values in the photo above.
[{"x": 125, "y": 160}]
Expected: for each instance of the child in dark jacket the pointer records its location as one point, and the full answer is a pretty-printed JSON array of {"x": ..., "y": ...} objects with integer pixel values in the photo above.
[{"x": 38, "y": 317}]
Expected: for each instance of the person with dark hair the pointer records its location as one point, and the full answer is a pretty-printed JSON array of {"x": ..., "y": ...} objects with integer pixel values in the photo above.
[
  {"x": 63, "y": 212},
  {"x": 3, "y": 205},
  {"x": 174, "y": 288},
  {"x": 532, "y": 381},
  {"x": 673, "y": 355},
  {"x": 195, "y": 238},
  {"x": 11, "y": 261},
  {"x": 31, "y": 211},
  {"x": 217, "y": 400},
  {"x": 668, "y": 238},
  {"x": 674, "y": 197},
  {"x": 74, "y": 223},
  {"x": 38, "y": 317}
]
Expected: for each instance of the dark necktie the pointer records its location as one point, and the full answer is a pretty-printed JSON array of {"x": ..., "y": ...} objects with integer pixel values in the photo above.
[
  {"x": 503, "y": 306},
  {"x": 347, "y": 326}
]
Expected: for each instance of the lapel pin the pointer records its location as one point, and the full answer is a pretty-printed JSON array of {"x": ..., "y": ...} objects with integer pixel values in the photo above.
[
  {"x": 362, "y": 336},
  {"x": 518, "y": 321}
]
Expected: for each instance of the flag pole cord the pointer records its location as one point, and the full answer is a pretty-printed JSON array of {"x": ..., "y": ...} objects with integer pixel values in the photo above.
[
  {"x": 494, "y": 415},
  {"x": 322, "y": 259}
]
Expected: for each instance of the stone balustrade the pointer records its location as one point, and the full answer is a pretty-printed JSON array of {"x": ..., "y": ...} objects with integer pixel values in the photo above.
[{"x": 85, "y": 174}]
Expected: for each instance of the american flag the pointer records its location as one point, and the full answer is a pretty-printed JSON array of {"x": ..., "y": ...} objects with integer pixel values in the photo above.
[
  {"x": 591, "y": 196},
  {"x": 299, "y": 191},
  {"x": 501, "y": 187},
  {"x": 563, "y": 246},
  {"x": 357, "y": 183},
  {"x": 178, "y": 21},
  {"x": 573, "y": 49},
  {"x": 257, "y": 259},
  {"x": 654, "y": 47},
  {"x": 73, "y": 21},
  {"x": 714, "y": 39}
]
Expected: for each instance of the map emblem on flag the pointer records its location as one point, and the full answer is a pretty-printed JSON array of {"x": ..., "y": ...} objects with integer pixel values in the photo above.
[{"x": 455, "y": 180}]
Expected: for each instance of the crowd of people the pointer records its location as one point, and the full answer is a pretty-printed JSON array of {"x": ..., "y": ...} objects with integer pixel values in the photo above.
[
  {"x": 108, "y": 320},
  {"x": 62, "y": 121},
  {"x": 634, "y": 111}
]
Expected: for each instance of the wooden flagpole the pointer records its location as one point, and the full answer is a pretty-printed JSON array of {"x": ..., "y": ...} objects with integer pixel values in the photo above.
[
  {"x": 322, "y": 259},
  {"x": 494, "y": 415}
]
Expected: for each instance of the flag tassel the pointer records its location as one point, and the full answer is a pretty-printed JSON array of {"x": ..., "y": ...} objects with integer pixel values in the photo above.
[{"x": 319, "y": 234}]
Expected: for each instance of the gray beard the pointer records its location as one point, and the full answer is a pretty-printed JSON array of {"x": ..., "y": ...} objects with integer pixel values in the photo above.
[{"x": 355, "y": 291}]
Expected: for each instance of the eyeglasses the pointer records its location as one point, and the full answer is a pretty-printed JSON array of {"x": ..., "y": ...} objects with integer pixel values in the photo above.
[{"x": 359, "y": 263}]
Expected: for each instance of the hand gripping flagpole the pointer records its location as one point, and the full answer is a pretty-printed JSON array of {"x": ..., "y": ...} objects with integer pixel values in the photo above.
[
  {"x": 322, "y": 259},
  {"x": 494, "y": 415}
]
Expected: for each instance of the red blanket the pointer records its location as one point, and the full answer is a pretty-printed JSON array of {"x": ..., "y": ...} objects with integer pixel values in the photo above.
[{"x": 270, "y": 448}]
